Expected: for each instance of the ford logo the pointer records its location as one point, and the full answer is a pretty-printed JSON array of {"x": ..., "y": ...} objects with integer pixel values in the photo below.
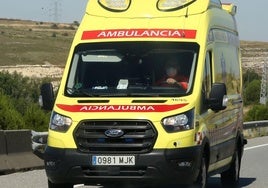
[{"x": 114, "y": 133}]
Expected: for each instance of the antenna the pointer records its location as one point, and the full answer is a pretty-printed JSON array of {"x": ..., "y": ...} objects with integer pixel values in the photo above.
[
  {"x": 55, "y": 9},
  {"x": 263, "y": 93}
]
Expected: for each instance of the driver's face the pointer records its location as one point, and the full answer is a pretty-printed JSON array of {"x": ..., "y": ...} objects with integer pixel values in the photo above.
[{"x": 171, "y": 71}]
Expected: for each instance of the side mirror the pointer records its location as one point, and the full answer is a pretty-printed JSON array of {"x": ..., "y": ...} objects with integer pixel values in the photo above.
[
  {"x": 46, "y": 99},
  {"x": 217, "y": 98}
]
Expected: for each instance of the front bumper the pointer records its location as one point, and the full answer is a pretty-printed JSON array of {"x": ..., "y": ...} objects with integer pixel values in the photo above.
[{"x": 163, "y": 165}]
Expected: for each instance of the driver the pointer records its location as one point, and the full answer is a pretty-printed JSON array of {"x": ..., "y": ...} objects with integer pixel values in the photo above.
[{"x": 173, "y": 76}]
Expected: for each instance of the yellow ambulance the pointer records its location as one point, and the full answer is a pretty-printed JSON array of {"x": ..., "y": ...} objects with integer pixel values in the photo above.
[{"x": 151, "y": 93}]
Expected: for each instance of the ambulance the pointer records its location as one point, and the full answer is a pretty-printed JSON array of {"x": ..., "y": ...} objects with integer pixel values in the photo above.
[{"x": 120, "y": 119}]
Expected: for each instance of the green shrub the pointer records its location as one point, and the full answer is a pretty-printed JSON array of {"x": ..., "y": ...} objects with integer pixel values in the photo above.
[
  {"x": 258, "y": 112},
  {"x": 35, "y": 118},
  {"x": 10, "y": 118},
  {"x": 252, "y": 92},
  {"x": 19, "y": 107}
]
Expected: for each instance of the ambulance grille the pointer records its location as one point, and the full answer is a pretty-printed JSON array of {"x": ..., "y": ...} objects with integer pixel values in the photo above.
[{"x": 135, "y": 136}]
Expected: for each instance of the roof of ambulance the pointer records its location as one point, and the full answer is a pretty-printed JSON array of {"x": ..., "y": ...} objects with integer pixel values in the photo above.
[
  {"x": 147, "y": 8},
  {"x": 100, "y": 16}
]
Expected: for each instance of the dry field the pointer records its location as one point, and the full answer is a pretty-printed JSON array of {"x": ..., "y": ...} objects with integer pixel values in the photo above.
[
  {"x": 40, "y": 49},
  {"x": 254, "y": 55},
  {"x": 35, "y": 49}
]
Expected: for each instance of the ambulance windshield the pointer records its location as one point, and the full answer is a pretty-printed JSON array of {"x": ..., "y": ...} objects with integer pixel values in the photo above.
[{"x": 139, "y": 69}]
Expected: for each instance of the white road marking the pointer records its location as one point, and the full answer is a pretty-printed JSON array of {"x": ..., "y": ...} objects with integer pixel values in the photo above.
[{"x": 254, "y": 147}]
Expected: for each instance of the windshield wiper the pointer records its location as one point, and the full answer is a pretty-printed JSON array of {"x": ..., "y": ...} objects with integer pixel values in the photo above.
[
  {"x": 133, "y": 92},
  {"x": 143, "y": 94},
  {"x": 79, "y": 92},
  {"x": 93, "y": 93},
  {"x": 113, "y": 94}
]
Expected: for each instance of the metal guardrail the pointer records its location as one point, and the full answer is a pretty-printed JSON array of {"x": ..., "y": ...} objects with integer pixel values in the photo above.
[
  {"x": 254, "y": 129},
  {"x": 16, "y": 151},
  {"x": 255, "y": 124}
]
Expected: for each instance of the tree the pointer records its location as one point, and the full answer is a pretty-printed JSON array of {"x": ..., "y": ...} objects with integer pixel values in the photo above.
[
  {"x": 252, "y": 92},
  {"x": 249, "y": 76}
]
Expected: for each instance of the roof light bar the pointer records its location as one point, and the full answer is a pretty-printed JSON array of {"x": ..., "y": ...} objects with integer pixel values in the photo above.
[
  {"x": 171, "y": 5},
  {"x": 115, "y": 5}
]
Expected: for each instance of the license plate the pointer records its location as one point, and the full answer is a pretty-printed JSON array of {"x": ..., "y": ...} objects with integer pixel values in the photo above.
[{"x": 108, "y": 160}]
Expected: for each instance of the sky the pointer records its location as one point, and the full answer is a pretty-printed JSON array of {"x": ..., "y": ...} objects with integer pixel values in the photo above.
[{"x": 251, "y": 16}]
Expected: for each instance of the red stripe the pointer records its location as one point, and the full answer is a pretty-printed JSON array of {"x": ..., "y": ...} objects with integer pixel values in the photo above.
[
  {"x": 120, "y": 108},
  {"x": 139, "y": 33}
]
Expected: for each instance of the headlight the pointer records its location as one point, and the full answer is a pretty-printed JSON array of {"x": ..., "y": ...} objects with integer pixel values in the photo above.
[
  {"x": 59, "y": 122},
  {"x": 180, "y": 122}
]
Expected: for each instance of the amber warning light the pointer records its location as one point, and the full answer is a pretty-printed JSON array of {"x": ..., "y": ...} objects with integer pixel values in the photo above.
[
  {"x": 171, "y": 5},
  {"x": 115, "y": 5}
]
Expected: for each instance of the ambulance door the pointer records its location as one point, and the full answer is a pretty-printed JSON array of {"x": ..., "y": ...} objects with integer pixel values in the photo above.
[{"x": 206, "y": 114}]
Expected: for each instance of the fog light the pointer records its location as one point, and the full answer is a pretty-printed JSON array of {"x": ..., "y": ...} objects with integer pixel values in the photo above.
[
  {"x": 185, "y": 164},
  {"x": 50, "y": 164}
]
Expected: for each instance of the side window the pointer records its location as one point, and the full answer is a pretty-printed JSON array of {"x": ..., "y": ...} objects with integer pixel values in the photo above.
[{"x": 207, "y": 80}]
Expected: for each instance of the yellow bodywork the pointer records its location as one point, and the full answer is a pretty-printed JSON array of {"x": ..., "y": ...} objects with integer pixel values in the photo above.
[{"x": 200, "y": 17}]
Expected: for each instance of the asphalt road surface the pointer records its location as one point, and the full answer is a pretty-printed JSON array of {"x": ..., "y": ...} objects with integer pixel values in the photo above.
[{"x": 254, "y": 171}]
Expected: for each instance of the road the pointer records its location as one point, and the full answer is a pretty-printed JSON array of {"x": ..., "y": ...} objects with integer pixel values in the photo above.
[{"x": 254, "y": 171}]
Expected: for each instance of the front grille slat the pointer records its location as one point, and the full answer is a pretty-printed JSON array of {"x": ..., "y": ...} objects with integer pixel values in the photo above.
[
  {"x": 139, "y": 136},
  {"x": 97, "y": 145},
  {"x": 134, "y": 136},
  {"x": 89, "y": 127}
]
